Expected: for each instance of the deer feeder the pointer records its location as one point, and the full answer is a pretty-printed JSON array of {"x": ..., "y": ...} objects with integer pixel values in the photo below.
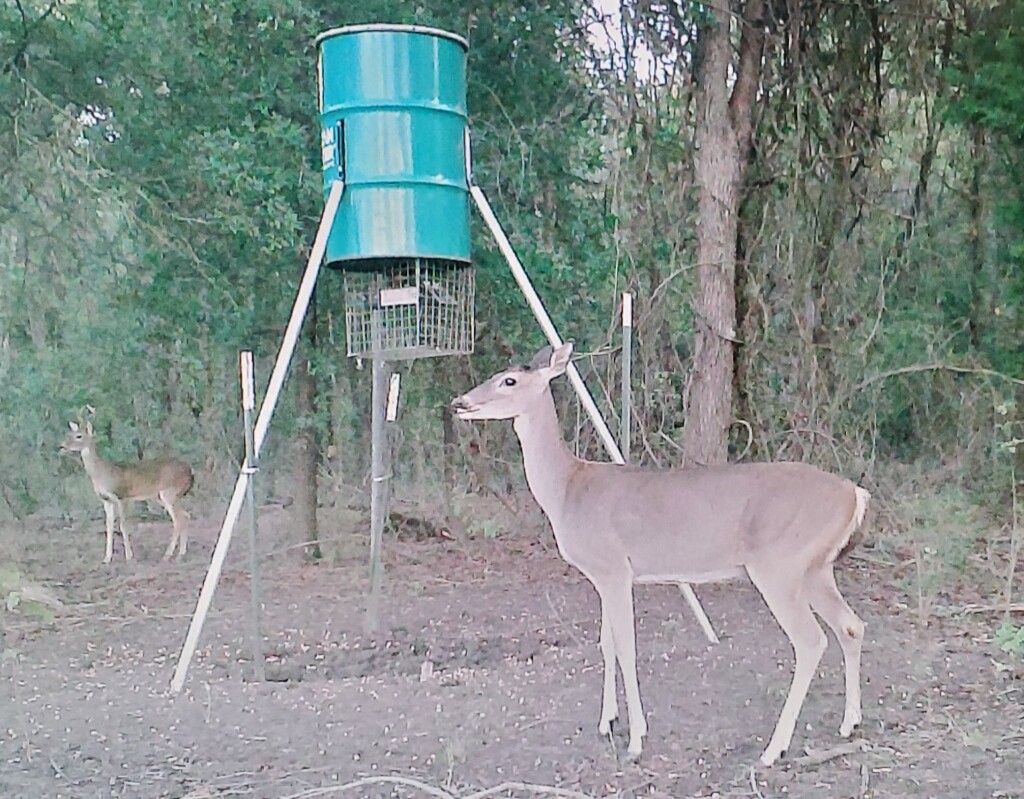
[{"x": 393, "y": 129}]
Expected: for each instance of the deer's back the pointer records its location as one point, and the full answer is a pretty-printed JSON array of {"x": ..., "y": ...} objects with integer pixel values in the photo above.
[{"x": 146, "y": 479}]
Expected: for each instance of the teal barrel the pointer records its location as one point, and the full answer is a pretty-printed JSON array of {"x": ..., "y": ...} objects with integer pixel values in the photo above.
[{"x": 393, "y": 127}]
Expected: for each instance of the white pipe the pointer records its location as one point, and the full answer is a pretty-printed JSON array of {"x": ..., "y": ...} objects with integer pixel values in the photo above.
[
  {"x": 284, "y": 357},
  {"x": 291, "y": 334},
  {"x": 546, "y": 325}
]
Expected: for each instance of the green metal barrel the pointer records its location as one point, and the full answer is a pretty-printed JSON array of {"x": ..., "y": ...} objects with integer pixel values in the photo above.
[{"x": 393, "y": 127}]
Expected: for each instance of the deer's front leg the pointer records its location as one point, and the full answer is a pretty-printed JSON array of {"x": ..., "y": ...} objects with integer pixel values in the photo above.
[
  {"x": 617, "y": 597},
  {"x": 108, "y": 510},
  {"x": 609, "y": 702}
]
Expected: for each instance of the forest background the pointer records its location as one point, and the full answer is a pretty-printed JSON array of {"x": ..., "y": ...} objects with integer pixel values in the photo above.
[{"x": 817, "y": 205}]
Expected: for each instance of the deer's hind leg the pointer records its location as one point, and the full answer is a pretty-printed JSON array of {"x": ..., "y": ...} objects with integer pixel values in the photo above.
[
  {"x": 783, "y": 591},
  {"x": 179, "y": 537},
  {"x": 849, "y": 630},
  {"x": 124, "y": 529}
]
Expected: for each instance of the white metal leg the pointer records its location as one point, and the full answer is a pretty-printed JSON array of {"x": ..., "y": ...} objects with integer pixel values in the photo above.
[{"x": 284, "y": 356}]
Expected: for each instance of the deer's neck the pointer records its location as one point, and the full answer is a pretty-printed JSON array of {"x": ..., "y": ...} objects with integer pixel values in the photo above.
[
  {"x": 547, "y": 460},
  {"x": 94, "y": 464}
]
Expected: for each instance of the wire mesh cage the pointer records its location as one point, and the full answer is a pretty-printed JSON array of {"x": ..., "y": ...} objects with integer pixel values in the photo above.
[{"x": 409, "y": 308}]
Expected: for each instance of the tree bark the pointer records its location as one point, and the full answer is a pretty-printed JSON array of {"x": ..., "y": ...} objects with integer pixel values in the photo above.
[
  {"x": 307, "y": 461},
  {"x": 724, "y": 128},
  {"x": 976, "y": 238}
]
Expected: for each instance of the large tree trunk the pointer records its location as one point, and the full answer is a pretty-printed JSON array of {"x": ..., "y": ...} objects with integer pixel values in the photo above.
[
  {"x": 307, "y": 460},
  {"x": 723, "y": 134}
]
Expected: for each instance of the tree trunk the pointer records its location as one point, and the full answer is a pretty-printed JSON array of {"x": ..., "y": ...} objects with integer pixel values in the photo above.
[
  {"x": 976, "y": 238},
  {"x": 722, "y": 143},
  {"x": 307, "y": 460}
]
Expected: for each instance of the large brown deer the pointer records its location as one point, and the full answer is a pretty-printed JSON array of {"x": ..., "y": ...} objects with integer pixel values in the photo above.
[
  {"x": 783, "y": 524},
  {"x": 165, "y": 479}
]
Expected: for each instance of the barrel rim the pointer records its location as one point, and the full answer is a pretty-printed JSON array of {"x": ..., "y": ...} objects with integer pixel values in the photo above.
[{"x": 389, "y": 28}]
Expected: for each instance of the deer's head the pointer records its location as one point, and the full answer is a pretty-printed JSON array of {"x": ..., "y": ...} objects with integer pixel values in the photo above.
[
  {"x": 514, "y": 391},
  {"x": 79, "y": 438}
]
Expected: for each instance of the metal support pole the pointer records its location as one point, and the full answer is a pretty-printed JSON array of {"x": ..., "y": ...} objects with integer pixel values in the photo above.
[
  {"x": 277, "y": 376},
  {"x": 378, "y": 476},
  {"x": 252, "y": 467},
  {"x": 546, "y": 325},
  {"x": 627, "y": 373}
]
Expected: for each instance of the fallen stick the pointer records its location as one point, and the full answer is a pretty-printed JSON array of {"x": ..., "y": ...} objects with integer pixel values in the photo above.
[{"x": 815, "y": 757}]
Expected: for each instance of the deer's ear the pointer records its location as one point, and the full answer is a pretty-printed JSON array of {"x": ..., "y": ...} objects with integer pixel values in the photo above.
[
  {"x": 88, "y": 428},
  {"x": 73, "y": 426},
  {"x": 542, "y": 359},
  {"x": 559, "y": 360},
  {"x": 555, "y": 360}
]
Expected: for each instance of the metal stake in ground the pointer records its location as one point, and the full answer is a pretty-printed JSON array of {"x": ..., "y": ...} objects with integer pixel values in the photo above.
[
  {"x": 379, "y": 474},
  {"x": 252, "y": 466},
  {"x": 627, "y": 367}
]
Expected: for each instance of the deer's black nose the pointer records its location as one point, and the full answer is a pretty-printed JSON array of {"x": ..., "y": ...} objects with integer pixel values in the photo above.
[{"x": 459, "y": 404}]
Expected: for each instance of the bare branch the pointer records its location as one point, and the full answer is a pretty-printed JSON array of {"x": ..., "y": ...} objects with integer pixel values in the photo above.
[
  {"x": 26, "y": 33},
  {"x": 931, "y": 367}
]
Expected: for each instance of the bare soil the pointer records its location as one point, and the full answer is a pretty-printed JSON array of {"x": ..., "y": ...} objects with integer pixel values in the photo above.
[{"x": 487, "y": 672}]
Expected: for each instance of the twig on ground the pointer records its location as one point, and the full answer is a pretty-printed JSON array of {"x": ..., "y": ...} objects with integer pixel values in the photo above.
[
  {"x": 539, "y": 722},
  {"x": 815, "y": 757},
  {"x": 753, "y": 784},
  {"x": 1016, "y": 607},
  {"x": 548, "y": 790},
  {"x": 558, "y": 616},
  {"x": 283, "y": 550},
  {"x": 865, "y": 776},
  {"x": 430, "y": 790}
]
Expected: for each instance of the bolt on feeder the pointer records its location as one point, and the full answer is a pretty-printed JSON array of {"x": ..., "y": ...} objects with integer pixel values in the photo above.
[{"x": 393, "y": 128}]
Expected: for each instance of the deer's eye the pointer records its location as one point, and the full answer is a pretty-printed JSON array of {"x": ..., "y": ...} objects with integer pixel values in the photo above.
[{"x": 509, "y": 381}]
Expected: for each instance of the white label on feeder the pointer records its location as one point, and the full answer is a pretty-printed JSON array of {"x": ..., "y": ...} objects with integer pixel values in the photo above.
[
  {"x": 627, "y": 309},
  {"x": 327, "y": 147},
  {"x": 409, "y": 295},
  {"x": 392, "y": 412}
]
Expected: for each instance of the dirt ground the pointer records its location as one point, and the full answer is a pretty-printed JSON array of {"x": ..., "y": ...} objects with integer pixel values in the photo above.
[{"x": 488, "y": 672}]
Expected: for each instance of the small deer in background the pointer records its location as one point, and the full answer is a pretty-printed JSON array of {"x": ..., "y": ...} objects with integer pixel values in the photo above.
[
  {"x": 782, "y": 524},
  {"x": 166, "y": 479}
]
